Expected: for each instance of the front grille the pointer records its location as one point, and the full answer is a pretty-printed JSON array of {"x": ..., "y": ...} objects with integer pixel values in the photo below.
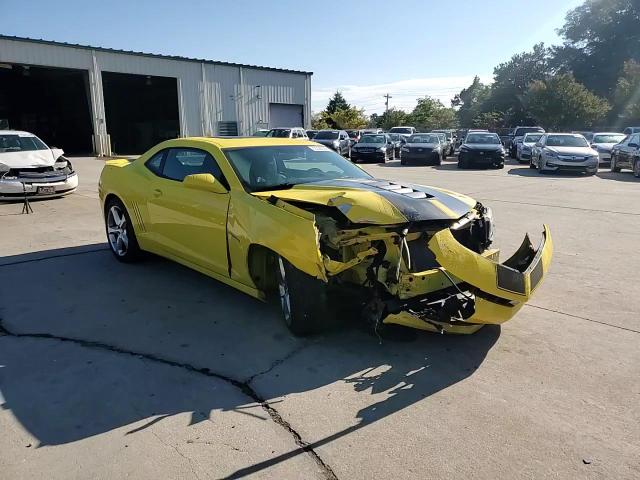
[{"x": 573, "y": 158}]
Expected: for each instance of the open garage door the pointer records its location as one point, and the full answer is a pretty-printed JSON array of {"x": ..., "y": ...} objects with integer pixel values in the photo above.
[
  {"x": 140, "y": 110},
  {"x": 285, "y": 115},
  {"x": 52, "y": 103}
]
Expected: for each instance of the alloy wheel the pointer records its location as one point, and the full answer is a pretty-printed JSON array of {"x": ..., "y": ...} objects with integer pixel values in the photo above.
[
  {"x": 283, "y": 290},
  {"x": 117, "y": 231}
]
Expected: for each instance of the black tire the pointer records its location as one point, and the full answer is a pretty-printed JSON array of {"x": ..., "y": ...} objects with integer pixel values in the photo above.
[
  {"x": 303, "y": 300},
  {"x": 531, "y": 165},
  {"x": 121, "y": 237},
  {"x": 636, "y": 168},
  {"x": 462, "y": 163},
  {"x": 500, "y": 165},
  {"x": 614, "y": 165},
  {"x": 438, "y": 160},
  {"x": 402, "y": 161}
]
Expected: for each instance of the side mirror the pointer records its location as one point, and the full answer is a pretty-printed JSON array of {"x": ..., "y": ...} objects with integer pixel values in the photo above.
[{"x": 205, "y": 182}]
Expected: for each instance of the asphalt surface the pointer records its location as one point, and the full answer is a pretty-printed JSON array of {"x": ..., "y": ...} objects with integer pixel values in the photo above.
[{"x": 154, "y": 371}]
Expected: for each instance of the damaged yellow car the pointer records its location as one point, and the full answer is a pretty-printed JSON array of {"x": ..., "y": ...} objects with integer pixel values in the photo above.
[{"x": 294, "y": 218}]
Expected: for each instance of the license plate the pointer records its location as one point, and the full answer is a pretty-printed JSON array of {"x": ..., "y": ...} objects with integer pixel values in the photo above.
[{"x": 46, "y": 190}]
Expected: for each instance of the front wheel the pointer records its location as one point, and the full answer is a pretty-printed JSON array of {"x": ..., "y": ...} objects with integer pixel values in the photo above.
[
  {"x": 636, "y": 168},
  {"x": 614, "y": 165},
  {"x": 120, "y": 234},
  {"x": 540, "y": 169},
  {"x": 303, "y": 299}
]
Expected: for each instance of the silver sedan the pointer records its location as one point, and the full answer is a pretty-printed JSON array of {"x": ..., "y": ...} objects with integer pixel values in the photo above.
[{"x": 564, "y": 151}]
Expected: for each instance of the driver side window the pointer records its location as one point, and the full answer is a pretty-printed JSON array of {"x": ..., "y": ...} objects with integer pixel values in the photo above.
[{"x": 181, "y": 162}]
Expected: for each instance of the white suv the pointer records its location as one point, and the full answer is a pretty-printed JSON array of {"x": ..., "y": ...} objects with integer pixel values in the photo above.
[{"x": 293, "y": 132}]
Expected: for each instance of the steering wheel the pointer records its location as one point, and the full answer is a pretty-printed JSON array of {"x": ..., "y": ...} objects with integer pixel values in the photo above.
[{"x": 315, "y": 170}]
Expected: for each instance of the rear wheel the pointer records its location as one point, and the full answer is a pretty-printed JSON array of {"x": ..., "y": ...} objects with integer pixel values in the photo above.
[
  {"x": 120, "y": 234},
  {"x": 303, "y": 299}
]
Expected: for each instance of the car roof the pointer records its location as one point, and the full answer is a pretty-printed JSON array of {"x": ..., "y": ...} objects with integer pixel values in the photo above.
[
  {"x": 16, "y": 132},
  {"x": 233, "y": 142},
  {"x": 607, "y": 133}
]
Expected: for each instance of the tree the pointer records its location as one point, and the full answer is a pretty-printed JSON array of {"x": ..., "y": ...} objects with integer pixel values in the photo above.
[
  {"x": 561, "y": 103},
  {"x": 431, "y": 113},
  {"x": 350, "y": 117},
  {"x": 319, "y": 120},
  {"x": 511, "y": 81},
  {"x": 337, "y": 102},
  {"x": 627, "y": 96},
  {"x": 599, "y": 37},
  {"x": 469, "y": 101},
  {"x": 392, "y": 118},
  {"x": 488, "y": 120}
]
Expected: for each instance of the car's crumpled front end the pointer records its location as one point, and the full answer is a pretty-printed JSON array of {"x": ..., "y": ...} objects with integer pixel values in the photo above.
[
  {"x": 40, "y": 179},
  {"x": 435, "y": 271}
]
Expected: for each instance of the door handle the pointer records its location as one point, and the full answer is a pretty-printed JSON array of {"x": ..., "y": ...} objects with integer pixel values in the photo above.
[{"x": 157, "y": 192}]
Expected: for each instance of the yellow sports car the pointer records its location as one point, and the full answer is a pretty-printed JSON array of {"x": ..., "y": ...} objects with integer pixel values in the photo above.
[{"x": 293, "y": 217}]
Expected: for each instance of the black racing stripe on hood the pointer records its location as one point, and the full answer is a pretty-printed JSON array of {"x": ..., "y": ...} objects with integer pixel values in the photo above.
[{"x": 413, "y": 201}]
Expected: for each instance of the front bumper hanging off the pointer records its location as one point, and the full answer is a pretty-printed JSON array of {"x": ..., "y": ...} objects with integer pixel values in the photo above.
[{"x": 485, "y": 291}]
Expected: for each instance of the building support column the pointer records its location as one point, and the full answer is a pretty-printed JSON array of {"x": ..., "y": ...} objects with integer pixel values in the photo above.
[{"x": 101, "y": 140}]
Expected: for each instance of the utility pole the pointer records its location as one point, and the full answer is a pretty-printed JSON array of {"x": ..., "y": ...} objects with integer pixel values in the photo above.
[{"x": 386, "y": 103}]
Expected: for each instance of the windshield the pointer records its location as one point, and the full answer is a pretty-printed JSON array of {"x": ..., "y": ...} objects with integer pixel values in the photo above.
[
  {"x": 279, "y": 132},
  {"x": 520, "y": 131},
  {"x": 352, "y": 133},
  {"x": 326, "y": 135},
  {"x": 311, "y": 134},
  {"x": 372, "y": 139},
  {"x": 395, "y": 136},
  {"x": 278, "y": 167},
  {"x": 566, "y": 141},
  {"x": 483, "y": 138},
  {"x": 401, "y": 130},
  {"x": 532, "y": 137},
  {"x": 608, "y": 138},
  {"x": 20, "y": 143},
  {"x": 423, "y": 139}
]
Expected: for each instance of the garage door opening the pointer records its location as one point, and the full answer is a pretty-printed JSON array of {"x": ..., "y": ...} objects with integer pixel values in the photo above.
[
  {"x": 141, "y": 110},
  {"x": 285, "y": 115},
  {"x": 52, "y": 103}
]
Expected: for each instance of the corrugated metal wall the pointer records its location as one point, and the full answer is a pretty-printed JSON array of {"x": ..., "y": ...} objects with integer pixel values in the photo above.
[{"x": 208, "y": 93}]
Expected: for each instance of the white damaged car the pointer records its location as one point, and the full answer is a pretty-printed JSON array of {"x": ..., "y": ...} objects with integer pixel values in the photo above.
[{"x": 28, "y": 165}]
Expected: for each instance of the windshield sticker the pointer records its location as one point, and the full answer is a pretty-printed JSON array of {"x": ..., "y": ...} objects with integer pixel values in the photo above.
[{"x": 319, "y": 148}]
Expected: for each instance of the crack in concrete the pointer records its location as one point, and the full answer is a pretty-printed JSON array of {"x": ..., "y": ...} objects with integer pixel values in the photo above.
[{"x": 243, "y": 386}]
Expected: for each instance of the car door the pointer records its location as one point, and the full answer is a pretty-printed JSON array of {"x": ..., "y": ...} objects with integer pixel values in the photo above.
[
  {"x": 631, "y": 149},
  {"x": 188, "y": 223}
]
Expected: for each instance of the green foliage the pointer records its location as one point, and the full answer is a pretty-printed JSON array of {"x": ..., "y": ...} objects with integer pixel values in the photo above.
[
  {"x": 337, "y": 102},
  {"x": 599, "y": 37},
  {"x": 351, "y": 117},
  {"x": 511, "y": 81},
  {"x": 431, "y": 113},
  {"x": 489, "y": 120},
  {"x": 391, "y": 118},
  {"x": 320, "y": 120},
  {"x": 469, "y": 102},
  {"x": 627, "y": 95},
  {"x": 561, "y": 103}
]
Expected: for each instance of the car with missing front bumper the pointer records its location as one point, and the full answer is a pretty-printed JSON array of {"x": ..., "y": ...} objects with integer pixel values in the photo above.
[
  {"x": 564, "y": 151},
  {"x": 29, "y": 168},
  {"x": 295, "y": 219}
]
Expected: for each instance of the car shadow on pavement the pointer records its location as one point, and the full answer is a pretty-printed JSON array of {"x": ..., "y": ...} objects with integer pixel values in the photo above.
[
  {"x": 163, "y": 315},
  {"x": 619, "y": 176},
  {"x": 525, "y": 171}
]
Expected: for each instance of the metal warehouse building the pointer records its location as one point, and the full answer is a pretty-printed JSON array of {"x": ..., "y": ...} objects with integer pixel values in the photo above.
[{"x": 97, "y": 100}]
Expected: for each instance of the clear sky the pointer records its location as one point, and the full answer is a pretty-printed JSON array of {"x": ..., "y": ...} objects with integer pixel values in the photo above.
[{"x": 365, "y": 48}]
